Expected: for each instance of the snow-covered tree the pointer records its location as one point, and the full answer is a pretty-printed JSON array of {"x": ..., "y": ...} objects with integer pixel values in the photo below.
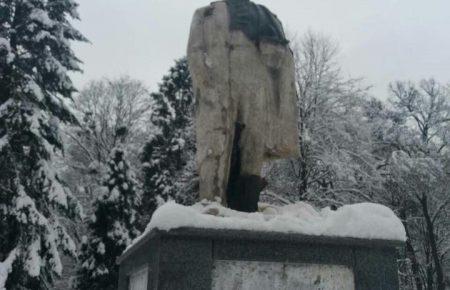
[
  {"x": 35, "y": 58},
  {"x": 337, "y": 165},
  {"x": 413, "y": 138},
  {"x": 168, "y": 155},
  {"x": 425, "y": 108},
  {"x": 418, "y": 186},
  {"x": 172, "y": 141},
  {"x": 113, "y": 227},
  {"x": 410, "y": 135},
  {"x": 111, "y": 112}
]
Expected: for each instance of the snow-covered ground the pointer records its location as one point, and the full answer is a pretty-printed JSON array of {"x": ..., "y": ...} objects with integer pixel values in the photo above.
[{"x": 365, "y": 220}]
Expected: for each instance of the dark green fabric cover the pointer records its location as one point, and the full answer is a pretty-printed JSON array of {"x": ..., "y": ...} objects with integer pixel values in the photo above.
[{"x": 256, "y": 21}]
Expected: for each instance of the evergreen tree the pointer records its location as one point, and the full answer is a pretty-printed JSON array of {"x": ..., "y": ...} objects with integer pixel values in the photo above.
[
  {"x": 113, "y": 226},
  {"x": 168, "y": 155},
  {"x": 35, "y": 58}
]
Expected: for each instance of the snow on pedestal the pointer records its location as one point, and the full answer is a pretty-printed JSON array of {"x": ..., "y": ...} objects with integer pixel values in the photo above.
[{"x": 361, "y": 221}]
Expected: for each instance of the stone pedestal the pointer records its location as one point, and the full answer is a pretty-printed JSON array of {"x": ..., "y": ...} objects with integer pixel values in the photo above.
[{"x": 192, "y": 258}]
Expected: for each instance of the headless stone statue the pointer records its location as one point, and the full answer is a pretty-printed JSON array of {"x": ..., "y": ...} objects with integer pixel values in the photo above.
[{"x": 243, "y": 77}]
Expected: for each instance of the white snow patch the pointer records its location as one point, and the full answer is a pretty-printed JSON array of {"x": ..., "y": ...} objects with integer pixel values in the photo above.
[
  {"x": 101, "y": 248},
  {"x": 33, "y": 263},
  {"x": 58, "y": 194},
  {"x": 100, "y": 271},
  {"x": 35, "y": 89},
  {"x": 365, "y": 220},
  {"x": 120, "y": 234},
  {"x": 41, "y": 16},
  {"x": 53, "y": 255},
  {"x": 25, "y": 210},
  {"x": 114, "y": 194},
  {"x": 6, "y": 267},
  {"x": 6, "y": 45},
  {"x": 3, "y": 141}
]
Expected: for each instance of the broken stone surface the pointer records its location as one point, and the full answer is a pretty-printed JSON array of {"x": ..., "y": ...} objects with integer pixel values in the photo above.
[{"x": 238, "y": 81}]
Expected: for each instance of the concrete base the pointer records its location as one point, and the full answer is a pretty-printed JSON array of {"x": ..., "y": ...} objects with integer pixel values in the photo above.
[{"x": 185, "y": 258}]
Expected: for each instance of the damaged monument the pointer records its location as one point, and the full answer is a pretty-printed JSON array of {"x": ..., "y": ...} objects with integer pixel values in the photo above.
[{"x": 243, "y": 77}]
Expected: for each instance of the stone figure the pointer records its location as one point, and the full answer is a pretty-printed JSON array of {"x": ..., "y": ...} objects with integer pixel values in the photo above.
[{"x": 243, "y": 77}]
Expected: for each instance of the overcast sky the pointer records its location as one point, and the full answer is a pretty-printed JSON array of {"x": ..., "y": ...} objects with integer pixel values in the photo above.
[{"x": 380, "y": 40}]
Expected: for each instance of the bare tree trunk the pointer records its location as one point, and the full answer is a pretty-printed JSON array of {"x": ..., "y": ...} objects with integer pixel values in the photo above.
[
  {"x": 303, "y": 174},
  {"x": 433, "y": 244},
  {"x": 430, "y": 280},
  {"x": 411, "y": 254},
  {"x": 303, "y": 179},
  {"x": 414, "y": 264}
]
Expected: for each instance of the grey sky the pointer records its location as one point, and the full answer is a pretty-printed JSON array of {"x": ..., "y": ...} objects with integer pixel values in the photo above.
[{"x": 380, "y": 40}]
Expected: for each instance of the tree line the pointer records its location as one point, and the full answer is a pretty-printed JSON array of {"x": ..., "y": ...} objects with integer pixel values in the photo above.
[
  {"x": 82, "y": 173},
  {"x": 355, "y": 148}
]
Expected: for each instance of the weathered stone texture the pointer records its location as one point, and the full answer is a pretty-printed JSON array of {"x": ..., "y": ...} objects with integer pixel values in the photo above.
[{"x": 238, "y": 81}]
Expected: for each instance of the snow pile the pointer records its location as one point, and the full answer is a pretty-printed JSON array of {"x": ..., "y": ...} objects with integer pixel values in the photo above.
[{"x": 365, "y": 220}]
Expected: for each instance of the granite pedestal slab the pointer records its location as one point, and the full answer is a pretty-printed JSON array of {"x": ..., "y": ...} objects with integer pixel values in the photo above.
[{"x": 193, "y": 258}]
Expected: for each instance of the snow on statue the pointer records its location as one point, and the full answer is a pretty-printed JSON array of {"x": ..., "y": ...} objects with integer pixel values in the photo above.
[{"x": 243, "y": 77}]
